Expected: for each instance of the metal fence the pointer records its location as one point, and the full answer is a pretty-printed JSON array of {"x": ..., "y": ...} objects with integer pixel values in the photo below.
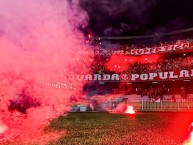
[{"x": 163, "y": 106}]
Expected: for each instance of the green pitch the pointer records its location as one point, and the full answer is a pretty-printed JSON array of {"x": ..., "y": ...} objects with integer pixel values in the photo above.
[{"x": 114, "y": 129}]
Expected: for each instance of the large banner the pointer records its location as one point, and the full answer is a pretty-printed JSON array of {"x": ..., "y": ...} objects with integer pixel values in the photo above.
[
  {"x": 161, "y": 49},
  {"x": 153, "y": 76},
  {"x": 141, "y": 51}
]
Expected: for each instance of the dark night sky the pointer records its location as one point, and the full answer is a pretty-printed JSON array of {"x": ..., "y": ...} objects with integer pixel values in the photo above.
[{"x": 137, "y": 17}]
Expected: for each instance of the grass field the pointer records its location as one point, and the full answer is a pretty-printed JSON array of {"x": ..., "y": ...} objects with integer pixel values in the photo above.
[{"x": 139, "y": 129}]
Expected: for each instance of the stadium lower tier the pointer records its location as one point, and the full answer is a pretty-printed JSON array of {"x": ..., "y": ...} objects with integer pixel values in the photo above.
[{"x": 158, "y": 88}]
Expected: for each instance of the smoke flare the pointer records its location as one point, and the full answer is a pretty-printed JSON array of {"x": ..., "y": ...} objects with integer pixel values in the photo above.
[{"x": 130, "y": 110}]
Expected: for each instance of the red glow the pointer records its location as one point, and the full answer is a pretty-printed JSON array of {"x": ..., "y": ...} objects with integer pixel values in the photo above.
[
  {"x": 121, "y": 62},
  {"x": 130, "y": 110},
  {"x": 3, "y": 128},
  {"x": 149, "y": 58}
]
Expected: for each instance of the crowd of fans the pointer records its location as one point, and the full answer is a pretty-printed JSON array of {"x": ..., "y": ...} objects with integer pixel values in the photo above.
[
  {"x": 166, "y": 61},
  {"x": 163, "y": 64},
  {"x": 153, "y": 92},
  {"x": 156, "y": 93},
  {"x": 178, "y": 63},
  {"x": 170, "y": 62},
  {"x": 159, "y": 44}
]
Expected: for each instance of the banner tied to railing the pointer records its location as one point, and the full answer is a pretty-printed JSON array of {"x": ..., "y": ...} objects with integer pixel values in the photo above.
[
  {"x": 141, "y": 51},
  {"x": 152, "y": 76},
  {"x": 161, "y": 49}
]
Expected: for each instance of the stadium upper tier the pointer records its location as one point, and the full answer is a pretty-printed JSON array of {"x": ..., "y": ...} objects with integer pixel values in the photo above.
[
  {"x": 106, "y": 50},
  {"x": 145, "y": 64},
  {"x": 167, "y": 56}
]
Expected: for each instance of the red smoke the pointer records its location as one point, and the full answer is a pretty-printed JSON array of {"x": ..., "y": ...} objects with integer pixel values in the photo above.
[{"x": 39, "y": 43}]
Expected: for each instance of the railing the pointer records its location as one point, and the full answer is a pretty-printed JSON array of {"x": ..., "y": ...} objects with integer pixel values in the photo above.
[{"x": 186, "y": 105}]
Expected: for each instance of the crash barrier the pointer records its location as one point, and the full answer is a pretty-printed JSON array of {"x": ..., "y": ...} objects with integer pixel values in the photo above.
[{"x": 182, "y": 105}]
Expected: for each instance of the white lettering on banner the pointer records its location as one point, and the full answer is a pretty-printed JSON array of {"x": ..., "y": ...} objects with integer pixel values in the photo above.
[
  {"x": 88, "y": 77},
  {"x": 97, "y": 77},
  {"x": 161, "y": 75},
  {"x": 178, "y": 74},
  {"x": 152, "y": 76},
  {"x": 133, "y": 51},
  {"x": 160, "y": 49},
  {"x": 140, "y": 51},
  {"x": 106, "y": 77},
  {"x": 172, "y": 76},
  {"x": 134, "y": 76},
  {"x": 115, "y": 77},
  {"x": 144, "y": 77},
  {"x": 184, "y": 73},
  {"x": 192, "y": 73}
]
